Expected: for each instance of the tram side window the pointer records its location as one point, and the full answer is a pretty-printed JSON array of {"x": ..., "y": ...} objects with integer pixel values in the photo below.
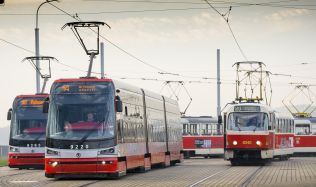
[
  {"x": 185, "y": 129},
  {"x": 279, "y": 126},
  {"x": 302, "y": 129},
  {"x": 193, "y": 129},
  {"x": 283, "y": 126},
  {"x": 206, "y": 129}
]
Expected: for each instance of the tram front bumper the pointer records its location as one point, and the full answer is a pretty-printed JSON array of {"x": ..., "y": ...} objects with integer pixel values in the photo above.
[
  {"x": 248, "y": 154},
  {"x": 71, "y": 167},
  {"x": 25, "y": 161}
]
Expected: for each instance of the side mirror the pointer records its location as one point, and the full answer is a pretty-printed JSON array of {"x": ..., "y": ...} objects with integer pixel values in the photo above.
[
  {"x": 45, "y": 106},
  {"x": 9, "y": 114}
]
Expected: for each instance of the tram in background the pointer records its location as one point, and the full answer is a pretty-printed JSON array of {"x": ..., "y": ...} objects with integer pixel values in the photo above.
[
  {"x": 202, "y": 136},
  {"x": 255, "y": 133},
  {"x": 102, "y": 128},
  {"x": 305, "y": 137},
  {"x": 27, "y": 132}
]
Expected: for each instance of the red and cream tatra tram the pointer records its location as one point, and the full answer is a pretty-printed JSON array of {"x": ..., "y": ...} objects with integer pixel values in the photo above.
[
  {"x": 305, "y": 137},
  {"x": 256, "y": 134},
  {"x": 99, "y": 127},
  {"x": 27, "y": 132},
  {"x": 202, "y": 136}
]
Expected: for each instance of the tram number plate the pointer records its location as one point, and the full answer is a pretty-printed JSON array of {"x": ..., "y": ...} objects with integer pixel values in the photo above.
[
  {"x": 79, "y": 146},
  {"x": 246, "y": 142},
  {"x": 33, "y": 145}
]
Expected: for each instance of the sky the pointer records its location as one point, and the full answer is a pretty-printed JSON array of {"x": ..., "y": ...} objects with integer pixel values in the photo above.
[{"x": 180, "y": 37}]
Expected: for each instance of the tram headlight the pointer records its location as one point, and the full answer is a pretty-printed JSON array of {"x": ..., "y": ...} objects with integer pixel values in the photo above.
[
  {"x": 54, "y": 164},
  {"x": 258, "y": 142},
  {"x": 107, "y": 151},
  {"x": 14, "y": 149},
  {"x": 235, "y": 142},
  {"x": 52, "y": 152}
]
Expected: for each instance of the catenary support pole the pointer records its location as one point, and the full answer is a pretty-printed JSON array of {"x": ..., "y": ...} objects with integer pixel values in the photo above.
[
  {"x": 218, "y": 92},
  {"x": 102, "y": 59}
]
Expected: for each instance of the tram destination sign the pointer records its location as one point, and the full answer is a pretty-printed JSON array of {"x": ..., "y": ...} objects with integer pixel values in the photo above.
[
  {"x": 81, "y": 88},
  {"x": 34, "y": 102},
  {"x": 247, "y": 108}
]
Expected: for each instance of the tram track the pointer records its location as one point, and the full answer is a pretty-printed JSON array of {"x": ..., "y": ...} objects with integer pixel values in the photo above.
[
  {"x": 249, "y": 178},
  {"x": 15, "y": 174},
  {"x": 6, "y": 179},
  {"x": 208, "y": 177}
]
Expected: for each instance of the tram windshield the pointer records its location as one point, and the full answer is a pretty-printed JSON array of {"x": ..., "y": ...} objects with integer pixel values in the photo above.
[
  {"x": 82, "y": 114},
  {"x": 302, "y": 129},
  {"x": 247, "y": 121},
  {"x": 28, "y": 123}
]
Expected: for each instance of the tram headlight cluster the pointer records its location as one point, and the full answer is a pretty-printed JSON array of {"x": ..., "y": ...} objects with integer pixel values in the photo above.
[
  {"x": 54, "y": 164},
  {"x": 107, "y": 151},
  {"x": 235, "y": 142},
  {"x": 14, "y": 149},
  {"x": 52, "y": 152},
  {"x": 258, "y": 143}
]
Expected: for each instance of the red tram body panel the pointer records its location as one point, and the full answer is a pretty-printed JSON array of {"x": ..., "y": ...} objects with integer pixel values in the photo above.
[
  {"x": 131, "y": 129},
  {"x": 27, "y": 132},
  {"x": 305, "y": 137},
  {"x": 202, "y": 136}
]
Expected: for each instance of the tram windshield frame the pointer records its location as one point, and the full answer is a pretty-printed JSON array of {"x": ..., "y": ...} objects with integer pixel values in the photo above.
[
  {"x": 303, "y": 129},
  {"x": 80, "y": 116},
  {"x": 28, "y": 123},
  {"x": 248, "y": 121}
]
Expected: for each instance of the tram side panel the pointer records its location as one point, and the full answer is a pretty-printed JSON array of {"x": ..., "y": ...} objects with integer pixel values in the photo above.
[
  {"x": 131, "y": 129},
  {"x": 156, "y": 128},
  {"x": 284, "y": 136},
  {"x": 305, "y": 144},
  {"x": 175, "y": 145}
]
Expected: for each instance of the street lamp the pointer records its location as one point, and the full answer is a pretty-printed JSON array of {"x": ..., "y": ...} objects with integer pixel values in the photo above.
[{"x": 37, "y": 46}]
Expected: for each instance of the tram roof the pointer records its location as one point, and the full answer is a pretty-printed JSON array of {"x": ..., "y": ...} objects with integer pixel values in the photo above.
[
  {"x": 118, "y": 85},
  {"x": 32, "y": 95},
  {"x": 198, "y": 119}
]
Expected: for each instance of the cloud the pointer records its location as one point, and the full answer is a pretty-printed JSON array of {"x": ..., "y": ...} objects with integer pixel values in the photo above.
[
  {"x": 285, "y": 14},
  {"x": 166, "y": 29}
]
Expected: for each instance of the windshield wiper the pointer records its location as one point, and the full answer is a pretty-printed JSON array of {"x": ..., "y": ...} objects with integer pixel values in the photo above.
[
  {"x": 38, "y": 137},
  {"x": 83, "y": 139}
]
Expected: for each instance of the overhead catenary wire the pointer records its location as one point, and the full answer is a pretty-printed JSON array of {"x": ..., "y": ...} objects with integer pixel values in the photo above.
[
  {"x": 112, "y": 43},
  {"x": 272, "y": 4},
  {"x": 17, "y": 46},
  {"x": 230, "y": 29},
  {"x": 160, "y": 70}
]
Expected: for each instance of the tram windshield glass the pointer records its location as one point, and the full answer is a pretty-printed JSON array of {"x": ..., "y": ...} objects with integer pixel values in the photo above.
[
  {"x": 82, "y": 111},
  {"x": 247, "y": 121},
  {"x": 29, "y": 123},
  {"x": 302, "y": 129}
]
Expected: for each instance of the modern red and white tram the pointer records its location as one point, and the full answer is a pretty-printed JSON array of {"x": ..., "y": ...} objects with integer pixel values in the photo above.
[
  {"x": 202, "y": 136},
  {"x": 255, "y": 133},
  {"x": 27, "y": 132},
  {"x": 102, "y": 128},
  {"x": 305, "y": 137}
]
